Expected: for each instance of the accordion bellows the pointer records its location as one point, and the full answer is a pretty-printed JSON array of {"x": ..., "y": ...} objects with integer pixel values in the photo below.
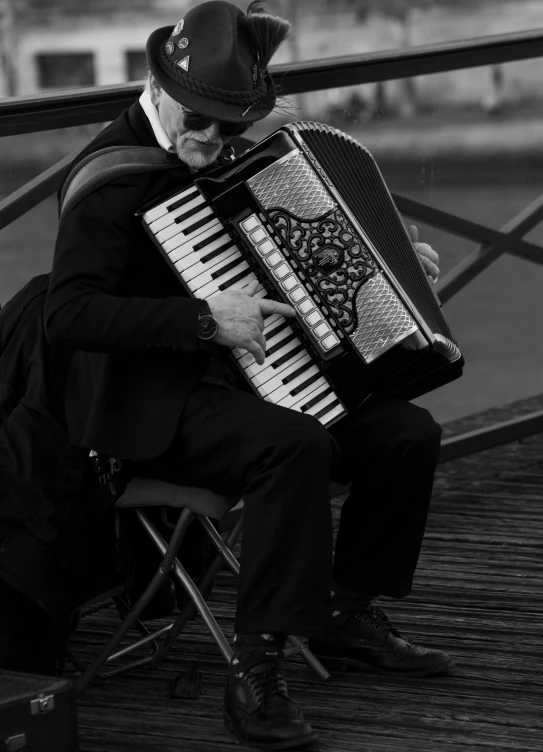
[{"x": 307, "y": 213}]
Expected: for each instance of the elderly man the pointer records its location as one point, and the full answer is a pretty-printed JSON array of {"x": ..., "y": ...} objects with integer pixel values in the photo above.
[{"x": 148, "y": 384}]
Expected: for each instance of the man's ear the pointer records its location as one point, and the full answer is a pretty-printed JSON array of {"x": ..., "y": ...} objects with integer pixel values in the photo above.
[{"x": 155, "y": 91}]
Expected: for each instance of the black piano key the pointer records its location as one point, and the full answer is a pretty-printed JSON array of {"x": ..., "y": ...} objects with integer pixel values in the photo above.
[
  {"x": 315, "y": 401},
  {"x": 305, "y": 384},
  {"x": 276, "y": 329},
  {"x": 288, "y": 356},
  {"x": 197, "y": 225},
  {"x": 216, "y": 252},
  {"x": 189, "y": 213},
  {"x": 202, "y": 244},
  {"x": 274, "y": 348},
  {"x": 296, "y": 373},
  {"x": 233, "y": 280},
  {"x": 182, "y": 201},
  {"x": 327, "y": 409},
  {"x": 226, "y": 268}
]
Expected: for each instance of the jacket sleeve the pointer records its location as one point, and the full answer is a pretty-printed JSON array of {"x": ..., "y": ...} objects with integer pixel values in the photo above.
[{"x": 82, "y": 308}]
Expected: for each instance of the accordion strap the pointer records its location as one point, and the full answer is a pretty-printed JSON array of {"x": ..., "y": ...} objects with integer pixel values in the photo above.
[{"x": 107, "y": 164}]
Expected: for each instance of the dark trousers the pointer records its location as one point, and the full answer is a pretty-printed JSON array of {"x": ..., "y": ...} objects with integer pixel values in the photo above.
[{"x": 282, "y": 462}]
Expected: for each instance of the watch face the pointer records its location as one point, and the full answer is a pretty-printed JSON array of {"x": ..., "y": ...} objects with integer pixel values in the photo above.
[{"x": 207, "y": 327}]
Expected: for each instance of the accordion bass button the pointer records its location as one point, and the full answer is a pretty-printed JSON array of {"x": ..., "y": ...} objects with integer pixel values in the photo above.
[
  {"x": 329, "y": 342},
  {"x": 251, "y": 223},
  {"x": 321, "y": 330},
  {"x": 288, "y": 283}
]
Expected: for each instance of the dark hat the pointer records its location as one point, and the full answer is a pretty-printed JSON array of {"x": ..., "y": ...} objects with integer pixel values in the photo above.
[{"x": 211, "y": 63}]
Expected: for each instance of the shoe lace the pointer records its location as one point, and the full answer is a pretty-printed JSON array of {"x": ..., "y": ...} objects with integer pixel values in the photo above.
[
  {"x": 378, "y": 619},
  {"x": 269, "y": 680}
]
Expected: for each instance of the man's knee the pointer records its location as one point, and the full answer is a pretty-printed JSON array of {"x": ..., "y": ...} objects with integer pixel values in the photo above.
[
  {"x": 422, "y": 426},
  {"x": 300, "y": 435}
]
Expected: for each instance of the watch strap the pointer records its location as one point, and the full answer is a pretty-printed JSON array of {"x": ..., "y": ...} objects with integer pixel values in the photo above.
[{"x": 203, "y": 308}]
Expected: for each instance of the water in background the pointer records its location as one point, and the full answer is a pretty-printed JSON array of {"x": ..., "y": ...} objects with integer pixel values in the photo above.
[{"x": 496, "y": 318}]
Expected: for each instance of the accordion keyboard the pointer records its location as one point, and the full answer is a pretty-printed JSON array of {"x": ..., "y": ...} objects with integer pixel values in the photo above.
[{"x": 206, "y": 259}]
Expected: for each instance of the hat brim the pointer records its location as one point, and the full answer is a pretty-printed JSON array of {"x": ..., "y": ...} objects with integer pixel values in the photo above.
[{"x": 204, "y": 105}]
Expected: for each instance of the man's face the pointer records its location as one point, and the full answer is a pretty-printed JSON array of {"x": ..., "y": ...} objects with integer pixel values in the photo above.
[{"x": 197, "y": 149}]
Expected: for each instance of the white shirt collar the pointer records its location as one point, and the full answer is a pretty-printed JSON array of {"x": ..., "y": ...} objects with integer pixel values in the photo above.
[{"x": 158, "y": 129}]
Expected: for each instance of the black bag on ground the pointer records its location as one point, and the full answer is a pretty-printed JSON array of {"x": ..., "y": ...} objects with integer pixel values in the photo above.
[{"x": 37, "y": 713}]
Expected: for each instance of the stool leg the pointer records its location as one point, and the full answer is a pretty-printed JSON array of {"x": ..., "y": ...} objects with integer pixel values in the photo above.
[
  {"x": 233, "y": 564},
  {"x": 205, "y": 584},
  {"x": 192, "y": 590},
  {"x": 169, "y": 554}
]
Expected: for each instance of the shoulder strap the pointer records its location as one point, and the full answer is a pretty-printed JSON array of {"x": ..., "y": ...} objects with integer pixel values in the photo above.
[{"x": 105, "y": 165}]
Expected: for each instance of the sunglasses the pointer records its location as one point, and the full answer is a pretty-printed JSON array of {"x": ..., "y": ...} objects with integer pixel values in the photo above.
[{"x": 193, "y": 121}]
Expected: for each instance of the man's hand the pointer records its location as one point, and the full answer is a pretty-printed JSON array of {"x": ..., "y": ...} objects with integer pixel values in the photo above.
[
  {"x": 240, "y": 319},
  {"x": 429, "y": 257}
]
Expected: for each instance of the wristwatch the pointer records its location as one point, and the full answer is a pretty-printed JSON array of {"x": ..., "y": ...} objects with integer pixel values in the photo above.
[{"x": 207, "y": 327}]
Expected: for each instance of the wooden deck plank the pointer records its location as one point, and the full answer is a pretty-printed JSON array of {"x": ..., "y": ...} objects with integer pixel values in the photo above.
[{"x": 477, "y": 595}]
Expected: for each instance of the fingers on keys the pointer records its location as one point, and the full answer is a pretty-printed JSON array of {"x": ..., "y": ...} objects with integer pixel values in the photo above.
[
  {"x": 274, "y": 306},
  {"x": 257, "y": 347}
]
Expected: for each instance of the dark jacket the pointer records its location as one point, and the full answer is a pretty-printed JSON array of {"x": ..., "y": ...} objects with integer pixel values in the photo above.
[
  {"x": 56, "y": 533},
  {"x": 114, "y": 300}
]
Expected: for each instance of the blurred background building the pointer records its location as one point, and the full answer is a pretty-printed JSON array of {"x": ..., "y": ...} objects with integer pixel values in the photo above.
[{"x": 57, "y": 44}]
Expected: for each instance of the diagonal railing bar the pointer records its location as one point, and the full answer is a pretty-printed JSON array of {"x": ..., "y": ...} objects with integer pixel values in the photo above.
[
  {"x": 466, "y": 228},
  {"x": 43, "y": 185},
  {"x": 481, "y": 258},
  {"x": 99, "y": 104},
  {"x": 476, "y": 441},
  {"x": 35, "y": 191}
]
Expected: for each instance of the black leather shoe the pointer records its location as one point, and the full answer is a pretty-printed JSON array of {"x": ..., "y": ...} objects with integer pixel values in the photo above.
[
  {"x": 257, "y": 708},
  {"x": 367, "y": 639}
]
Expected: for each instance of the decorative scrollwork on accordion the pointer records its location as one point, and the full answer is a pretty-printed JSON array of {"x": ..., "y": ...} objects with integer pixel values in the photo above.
[{"x": 331, "y": 256}]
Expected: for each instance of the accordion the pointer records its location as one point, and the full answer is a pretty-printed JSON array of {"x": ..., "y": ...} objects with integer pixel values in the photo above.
[{"x": 307, "y": 213}]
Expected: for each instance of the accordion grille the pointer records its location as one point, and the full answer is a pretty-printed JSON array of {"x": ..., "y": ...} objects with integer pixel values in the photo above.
[
  {"x": 381, "y": 318},
  {"x": 355, "y": 175},
  {"x": 294, "y": 184}
]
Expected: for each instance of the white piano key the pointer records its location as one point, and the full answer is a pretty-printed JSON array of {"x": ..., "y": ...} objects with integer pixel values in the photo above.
[
  {"x": 255, "y": 369},
  {"x": 271, "y": 321},
  {"x": 169, "y": 217},
  {"x": 198, "y": 268},
  {"x": 201, "y": 233},
  {"x": 264, "y": 379},
  {"x": 203, "y": 289},
  {"x": 204, "y": 279},
  {"x": 210, "y": 291},
  {"x": 290, "y": 400},
  {"x": 278, "y": 375},
  {"x": 188, "y": 250},
  {"x": 332, "y": 397},
  {"x": 336, "y": 412},
  {"x": 284, "y": 390},
  {"x": 163, "y": 208},
  {"x": 175, "y": 227}
]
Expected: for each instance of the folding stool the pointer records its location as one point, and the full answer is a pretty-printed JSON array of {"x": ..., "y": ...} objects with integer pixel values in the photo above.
[{"x": 194, "y": 503}]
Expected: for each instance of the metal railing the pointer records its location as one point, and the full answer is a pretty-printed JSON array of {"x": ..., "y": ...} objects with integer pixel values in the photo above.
[{"x": 20, "y": 115}]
